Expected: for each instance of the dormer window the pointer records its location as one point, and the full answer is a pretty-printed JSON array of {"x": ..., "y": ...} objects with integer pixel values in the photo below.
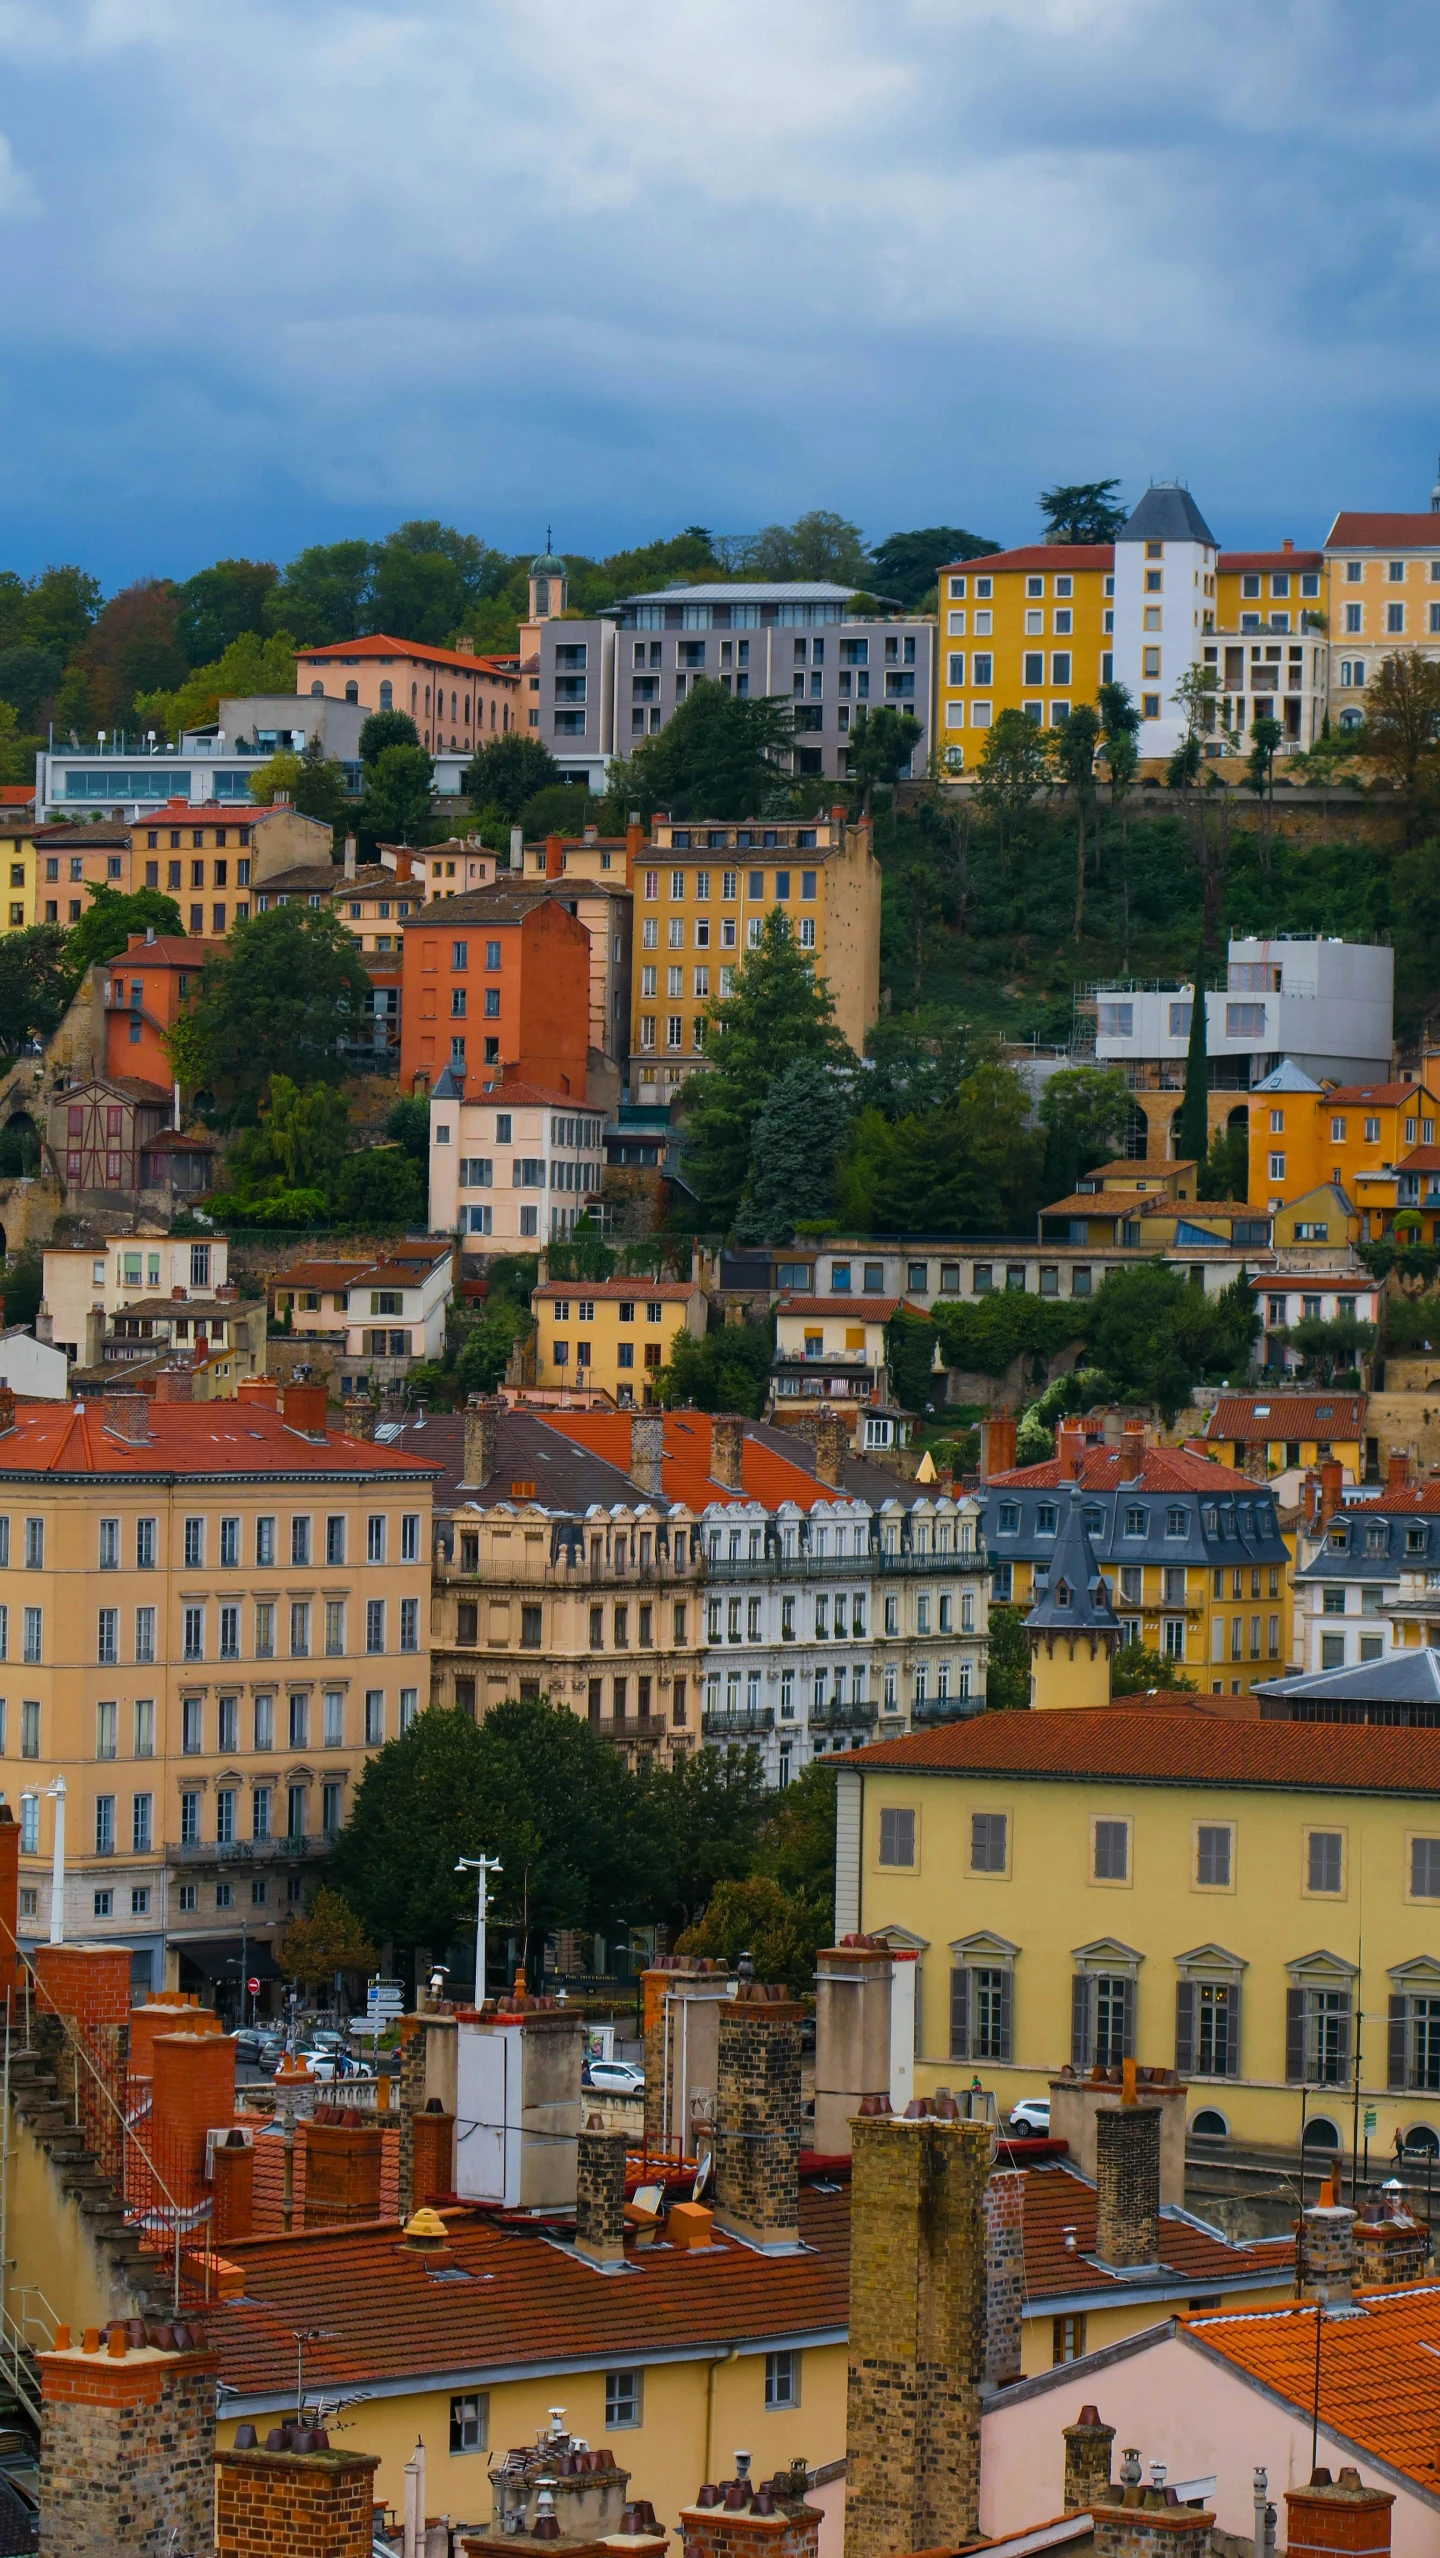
[
  {"x": 1415, "y": 1540},
  {"x": 1135, "y": 1521},
  {"x": 1046, "y": 1519},
  {"x": 1008, "y": 1520}
]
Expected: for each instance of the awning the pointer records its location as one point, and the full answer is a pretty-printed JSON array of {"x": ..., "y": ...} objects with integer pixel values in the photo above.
[{"x": 218, "y": 1958}]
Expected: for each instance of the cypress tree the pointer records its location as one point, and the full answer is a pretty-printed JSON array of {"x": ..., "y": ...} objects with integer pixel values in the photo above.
[{"x": 1193, "y": 1141}]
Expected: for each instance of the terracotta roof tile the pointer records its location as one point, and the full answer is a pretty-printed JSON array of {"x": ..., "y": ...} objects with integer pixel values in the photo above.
[
  {"x": 1287, "y": 1416},
  {"x": 380, "y": 644},
  {"x": 1104, "y": 1744},
  {"x": 674, "y": 1291},
  {"x": 1042, "y": 555},
  {"x": 1377, "y": 2371},
  {"x": 206, "y": 1441},
  {"x": 1385, "y": 1096},
  {"x": 1161, "y": 1470},
  {"x": 1356, "y": 532},
  {"x": 1057, "y": 2199},
  {"x": 1230, "y": 563},
  {"x": 769, "y": 1477}
]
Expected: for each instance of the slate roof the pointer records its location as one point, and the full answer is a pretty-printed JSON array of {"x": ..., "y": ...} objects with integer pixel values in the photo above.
[
  {"x": 1166, "y": 513},
  {"x": 497, "y": 905},
  {"x": 1102, "y": 1745},
  {"x": 1076, "y": 1598},
  {"x": 1287, "y": 1077},
  {"x": 1231, "y": 563},
  {"x": 1402, "y": 1678},
  {"x": 1388, "y": 1525},
  {"x": 1245, "y": 1527}
]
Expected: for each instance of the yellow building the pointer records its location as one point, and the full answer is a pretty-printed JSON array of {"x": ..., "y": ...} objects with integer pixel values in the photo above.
[
  {"x": 1233, "y": 1898},
  {"x": 21, "y": 862},
  {"x": 1383, "y": 578},
  {"x": 1352, "y": 1136},
  {"x": 1026, "y": 630},
  {"x": 702, "y": 894},
  {"x": 1271, "y": 652},
  {"x": 215, "y": 1613},
  {"x": 612, "y": 1335},
  {"x": 1270, "y": 1431}
]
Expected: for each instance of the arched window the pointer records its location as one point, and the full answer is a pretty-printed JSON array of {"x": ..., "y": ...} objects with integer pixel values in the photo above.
[
  {"x": 1421, "y": 2138},
  {"x": 467, "y": 710},
  {"x": 317, "y": 692},
  {"x": 1210, "y": 2125},
  {"x": 1321, "y": 2134},
  {"x": 453, "y": 699},
  {"x": 387, "y": 695},
  {"x": 427, "y": 697},
  {"x": 414, "y": 697},
  {"x": 542, "y": 595},
  {"x": 352, "y": 691}
]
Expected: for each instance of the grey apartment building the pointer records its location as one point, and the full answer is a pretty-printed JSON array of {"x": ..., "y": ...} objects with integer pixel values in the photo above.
[{"x": 594, "y": 689}]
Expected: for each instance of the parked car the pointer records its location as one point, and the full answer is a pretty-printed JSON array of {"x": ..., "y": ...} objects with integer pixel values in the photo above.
[
  {"x": 614, "y": 2078},
  {"x": 1031, "y": 2118}
]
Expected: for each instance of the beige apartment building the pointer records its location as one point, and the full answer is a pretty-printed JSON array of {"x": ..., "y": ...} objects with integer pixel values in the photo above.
[{"x": 212, "y": 1615}]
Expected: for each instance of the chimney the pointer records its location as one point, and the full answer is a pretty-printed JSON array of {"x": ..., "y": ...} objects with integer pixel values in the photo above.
[
  {"x": 304, "y": 1409},
  {"x": 12, "y": 1972},
  {"x": 1127, "y": 2185},
  {"x": 1132, "y": 1451},
  {"x": 757, "y": 2119},
  {"x": 294, "y": 2493},
  {"x": 175, "y": 1385},
  {"x": 1390, "y": 2246},
  {"x": 1088, "y": 2446},
  {"x": 647, "y": 1451},
  {"x": 342, "y": 2166},
  {"x": 997, "y": 1445},
  {"x": 432, "y": 2150},
  {"x": 359, "y": 1418},
  {"x": 233, "y": 2169},
  {"x": 1004, "y": 2273},
  {"x": 7, "y": 1408},
  {"x": 89, "y": 1985},
  {"x": 192, "y": 2093},
  {"x": 349, "y": 856},
  {"x": 1132, "y": 2521},
  {"x": 1070, "y": 1449},
  {"x": 522, "y": 2068},
  {"x": 727, "y": 1450},
  {"x": 127, "y": 1417},
  {"x": 634, "y": 845},
  {"x": 126, "y": 2440},
  {"x": 1327, "y": 2249},
  {"x": 517, "y": 847},
  {"x": 1332, "y": 1483},
  {"x": 917, "y": 2332},
  {"x": 482, "y": 1431},
  {"x": 832, "y": 1445},
  {"x": 600, "y": 2196},
  {"x": 1397, "y": 1473},
  {"x": 852, "y": 2036},
  {"x": 736, "y": 2519},
  {"x": 681, "y": 1997},
  {"x": 554, "y": 857},
  {"x": 583, "y": 2496},
  {"x": 262, "y": 1390},
  {"x": 1337, "y": 2519}
]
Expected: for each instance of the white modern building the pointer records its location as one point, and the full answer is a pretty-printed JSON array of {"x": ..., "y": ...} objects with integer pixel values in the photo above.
[
  {"x": 1166, "y": 568},
  {"x": 1325, "y": 1003}
]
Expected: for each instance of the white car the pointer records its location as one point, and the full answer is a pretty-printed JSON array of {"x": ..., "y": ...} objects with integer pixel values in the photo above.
[
  {"x": 1031, "y": 2118},
  {"x": 615, "y": 2078}
]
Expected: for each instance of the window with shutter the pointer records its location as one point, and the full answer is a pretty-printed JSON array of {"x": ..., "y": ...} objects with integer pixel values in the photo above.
[
  {"x": 959, "y": 2014},
  {"x": 1082, "y": 2009},
  {"x": 1295, "y": 2035},
  {"x": 1184, "y": 2027},
  {"x": 1396, "y": 2072}
]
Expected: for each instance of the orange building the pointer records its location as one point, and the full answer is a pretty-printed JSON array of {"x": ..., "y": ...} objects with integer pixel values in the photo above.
[
  {"x": 455, "y": 699},
  {"x": 500, "y": 977},
  {"x": 1354, "y": 1136},
  {"x": 143, "y": 998}
]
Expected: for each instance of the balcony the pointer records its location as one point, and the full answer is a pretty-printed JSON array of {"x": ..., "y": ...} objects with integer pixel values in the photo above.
[
  {"x": 745, "y": 1724},
  {"x": 633, "y": 1727},
  {"x": 248, "y": 1851},
  {"x": 945, "y": 1709},
  {"x": 843, "y": 1718},
  {"x": 843, "y": 1567}
]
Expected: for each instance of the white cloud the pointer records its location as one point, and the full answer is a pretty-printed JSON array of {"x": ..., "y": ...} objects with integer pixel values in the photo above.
[{"x": 18, "y": 200}]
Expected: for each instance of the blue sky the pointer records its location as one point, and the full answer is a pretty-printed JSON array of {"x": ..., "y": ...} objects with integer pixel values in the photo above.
[{"x": 275, "y": 273}]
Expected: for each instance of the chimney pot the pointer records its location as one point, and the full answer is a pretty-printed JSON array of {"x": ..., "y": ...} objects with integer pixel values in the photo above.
[
  {"x": 997, "y": 1445},
  {"x": 304, "y": 1409},
  {"x": 482, "y": 1432},
  {"x": 647, "y": 1452},
  {"x": 727, "y": 1450}
]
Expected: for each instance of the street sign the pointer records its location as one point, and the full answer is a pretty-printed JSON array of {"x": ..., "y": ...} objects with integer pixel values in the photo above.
[
  {"x": 253, "y": 1986},
  {"x": 384, "y": 1998},
  {"x": 1371, "y": 2120}
]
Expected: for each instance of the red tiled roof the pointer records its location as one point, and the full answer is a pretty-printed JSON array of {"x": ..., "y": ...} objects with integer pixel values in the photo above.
[
  {"x": 17, "y": 794},
  {"x": 1422, "y": 1159},
  {"x": 1033, "y": 555},
  {"x": 1057, "y": 2199},
  {"x": 1415, "y": 1496},
  {"x": 1161, "y": 1470},
  {"x": 380, "y": 644},
  {"x": 172, "y": 812},
  {"x": 1263, "y": 1417},
  {"x": 1354, "y": 532},
  {"x": 769, "y": 1477},
  {"x": 1385, "y": 1096},
  {"x": 1106, "y": 1203},
  {"x": 201, "y": 1439},
  {"x": 318, "y": 1274},
  {"x": 868, "y": 1309},
  {"x": 1231, "y": 563},
  {"x": 1377, "y": 2371},
  {"x": 172, "y": 950},
  {"x": 1103, "y": 1744},
  {"x": 385, "y": 2318},
  {"x": 676, "y": 1289},
  {"x": 526, "y": 1097}
]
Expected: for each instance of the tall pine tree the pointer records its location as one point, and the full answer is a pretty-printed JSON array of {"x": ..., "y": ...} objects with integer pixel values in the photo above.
[
  {"x": 1193, "y": 1140},
  {"x": 780, "y": 1011}
]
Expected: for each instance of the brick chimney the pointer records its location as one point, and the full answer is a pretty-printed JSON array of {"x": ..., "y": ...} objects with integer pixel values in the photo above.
[
  {"x": 7, "y": 1409},
  {"x": 997, "y": 1445},
  {"x": 89, "y": 1986},
  {"x": 360, "y": 1417},
  {"x": 681, "y": 1997},
  {"x": 1127, "y": 2185},
  {"x": 554, "y": 857},
  {"x": 1004, "y": 2273},
  {"x": 1397, "y": 1471},
  {"x": 1332, "y": 1485},
  {"x": 482, "y": 1431},
  {"x": 634, "y": 846},
  {"x": 127, "y": 1417},
  {"x": 432, "y": 2145},
  {"x": 852, "y": 2036},
  {"x": 342, "y": 2167},
  {"x": 554, "y": 2490},
  {"x": 1337, "y": 2518},
  {"x": 727, "y": 1450},
  {"x": 757, "y": 2118},
  {"x": 350, "y": 853},
  {"x": 832, "y": 1444},
  {"x": 304, "y": 1409},
  {"x": 1070, "y": 1449},
  {"x": 261, "y": 1390},
  {"x": 300, "y": 2496},
  {"x": 1390, "y": 2247},
  {"x": 1149, "y": 2522},
  {"x": 127, "y": 2432},
  {"x": 234, "y": 2172},
  {"x": 1132, "y": 1451},
  {"x": 737, "y": 2519},
  {"x": 1088, "y": 2446},
  {"x": 1327, "y": 2249},
  {"x": 647, "y": 1452},
  {"x": 192, "y": 2093},
  {"x": 600, "y": 2196},
  {"x": 917, "y": 2332}
]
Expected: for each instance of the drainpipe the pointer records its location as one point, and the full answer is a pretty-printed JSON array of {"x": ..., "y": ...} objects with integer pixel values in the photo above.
[
  {"x": 729, "y": 2356},
  {"x": 57, "y": 1867}
]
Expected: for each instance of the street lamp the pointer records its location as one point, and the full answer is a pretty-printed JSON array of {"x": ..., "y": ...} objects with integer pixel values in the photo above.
[
  {"x": 482, "y": 1867},
  {"x": 56, "y": 1792}
]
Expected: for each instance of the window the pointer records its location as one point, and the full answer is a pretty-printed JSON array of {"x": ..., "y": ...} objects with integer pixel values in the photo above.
[
  {"x": 988, "y": 1842},
  {"x": 1112, "y": 1852},
  {"x": 374, "y": 1625},
  {"x": 980, "y": 2011},
  {"x": 106, "y": 1717},
  {"x": 142, "y": 1823},
  {"x": 470, "y": 2423},
  {"x": 782, "y": 2380},
  {"x": 623, "y": 2399},
  {"x": 1317, "y": 2035},
  {"x": 109, "y": 1545},
  {"x": 1425, "y": 1869},
  {"x": 410, "y": 1537},
  {"x": 1212, "y": 1854},
  {"x": 299, "y": 1541},
  {"x": 194, "y": 1544},
  {"x": 897, "y": 1837},
  {"x": 375, "y": 1539},
  {"x": 34, "y": 1545},
  {"x": 1067, "y": 2339},
  {"x": 1207, "y": 2028},
  {"x": 34, "y": 1634},
  {"x": 107, "y": 1637},
  {"x": 299, "y": 1629},
  {"x": 335, "y": 1540},
  {"x": 1324, "y": 1861},
  {"x": 265, "y": 1544}
]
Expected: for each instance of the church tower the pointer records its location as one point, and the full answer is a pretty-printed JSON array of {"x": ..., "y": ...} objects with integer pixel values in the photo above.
[
  {"x": 549, "y": 585},
  {"x": 1072, "y": 1629}
]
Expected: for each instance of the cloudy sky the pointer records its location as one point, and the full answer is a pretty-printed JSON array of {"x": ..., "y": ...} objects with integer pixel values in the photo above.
[{"x": 282, "y": 270}]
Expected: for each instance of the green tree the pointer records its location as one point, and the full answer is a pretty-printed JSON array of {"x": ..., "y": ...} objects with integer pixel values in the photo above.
[
  {"x": 484, "y": 1354},
  {"x": 299, "y": 1142},
  {"x": 1120, "y": 750},
  {"x": 800, "y": 1132},
  {"x": 1082, "y": 511},
  {"x": 700, "y": 1820},
  {"x": 1402, "y": 717},
  {"x": 781, "y": 1933},
  {"x": 284, "y": 997},
  {"x": 59, "y": 610},
  {"x": 22, "y": 1280},
  {"x": 1225, "y": 1172},
  {"x": 910, "y": 1345},
  {"x": 1136, "y": 1669},
  {"x": 481, "y": 572},
  {"x": 321, "y": 596},
  {"x": 567, "y": 809},
  {"x": 408, "y": 1122},
  {"x": 906, "y": 565},
  {"x": 250, "y": 664},
  {"x": 1157, "y": 1335},
  {"x": 1007, "y": 1676},
  {"x": 1075, "y": 746},
  {"x": 113, "y": 914},
  {"x": 1195, "y": 695},
  {"x": 796, "y": 1844},
  {"x": 419, "y": 595},
  {"x": 130, "y": 649},
  {"x": 185, "y": 1045},
  {"x": 718, "y": 756},
  {"x": 28, "y": 677},
  {"x": 386, "y": 728},
  {"x": 780, "y": 1011},
  {"x": 1085, "y": 1113},
  {"x": 36, "y": 984},
  {"x": 971, "y": 1167},
  {"x": 1014, "y": 765},
  {"x": 820, "y": 545},
  {"x": 1193, "y": 1135},
  {"x": 724, "y": 1371},
  {"x": 882, "y": 743},
  {"x": 508, "y": 771},
  {"x": 313, "y": 783},
  {"x": 217, "y": 605},
  {"x": 327, "y": 1938},
  {"x": 396, "y": 805},
  {"x": 380, "y": 1186},
  {"x": 532, "y": 1783}
]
